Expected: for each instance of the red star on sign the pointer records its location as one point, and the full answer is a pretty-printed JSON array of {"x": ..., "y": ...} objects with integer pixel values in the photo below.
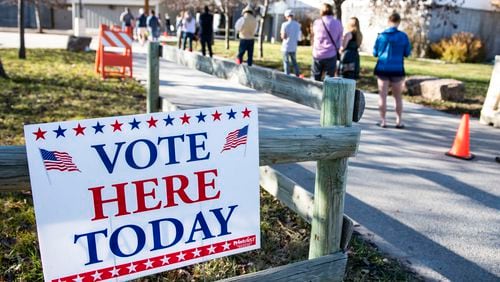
[
  {"x": 185, "y": 118},
  {"x": 216, "y": 115},
  {"x": 152, "y": 122},
  {"x": 246, "y": 113},
  {"x": 117, "y": 126},
  {"x": 40, "y": 134},
  {"x": 79, "y": 130}
]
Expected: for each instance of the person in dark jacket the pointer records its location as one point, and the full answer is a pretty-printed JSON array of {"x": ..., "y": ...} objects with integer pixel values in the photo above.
[
  {"x": 349, "y": 59},
  {"x": 206, "y": 31},
  {"x": 127, "y": 18},
  {"x": 153, "y": 23},
  {"x": 142, "y": 27},
  {"x": 390, "y": 48}
]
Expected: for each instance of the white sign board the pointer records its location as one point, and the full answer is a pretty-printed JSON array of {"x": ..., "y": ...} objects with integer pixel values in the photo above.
[{"x": 123, "y": 197}]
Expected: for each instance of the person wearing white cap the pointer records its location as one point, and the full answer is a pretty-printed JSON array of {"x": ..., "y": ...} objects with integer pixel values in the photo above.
[
  {"x": 290, "y": 34},
  {"x": 246, "y": 27}
]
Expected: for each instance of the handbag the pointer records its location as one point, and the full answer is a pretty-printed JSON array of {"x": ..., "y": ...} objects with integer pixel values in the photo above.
[{"x": 331, "y": 38}]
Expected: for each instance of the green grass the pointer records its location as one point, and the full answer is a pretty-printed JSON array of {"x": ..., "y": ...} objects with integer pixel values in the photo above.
[
  {"x": 54, "y": 85},
  {"x": 475, "y": 76}
]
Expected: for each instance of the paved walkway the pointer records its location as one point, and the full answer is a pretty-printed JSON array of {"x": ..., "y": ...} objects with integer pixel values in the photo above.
[{"x": 439, "y": 214}]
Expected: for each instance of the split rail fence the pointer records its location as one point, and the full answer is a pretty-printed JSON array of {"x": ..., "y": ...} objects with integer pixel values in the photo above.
[{"x": 330, "y": 145}]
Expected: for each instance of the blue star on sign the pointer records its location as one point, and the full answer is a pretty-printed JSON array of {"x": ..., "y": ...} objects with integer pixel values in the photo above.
[
  {"x": 98, "y": 128},
  {"x": 59, "y": 131},
  {"x": 169, "y": 120},
  {"x": 134, "y": 124},
  {"x": 231, "y": 114},
  {"x": 201, "y": 117}
]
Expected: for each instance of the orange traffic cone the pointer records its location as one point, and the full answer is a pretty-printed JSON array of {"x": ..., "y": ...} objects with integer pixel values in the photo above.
[{"x": 461, "y": 146}]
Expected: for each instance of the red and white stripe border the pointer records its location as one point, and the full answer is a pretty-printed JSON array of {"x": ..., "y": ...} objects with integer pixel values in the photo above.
[
  {"x": 116, "y": 39},
  {"x": 161, "y": 261}
]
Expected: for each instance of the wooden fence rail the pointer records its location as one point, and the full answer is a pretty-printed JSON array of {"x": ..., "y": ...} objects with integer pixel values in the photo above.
[
  {"x": 330, "y": 145},
  {"x": 305, "y": 144}
]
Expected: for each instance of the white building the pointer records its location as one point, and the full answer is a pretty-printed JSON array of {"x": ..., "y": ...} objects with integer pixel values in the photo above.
[{"x": 97, "y": 12}]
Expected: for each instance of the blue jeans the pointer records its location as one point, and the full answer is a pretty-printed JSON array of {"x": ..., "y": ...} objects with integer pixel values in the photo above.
[
  {"x": 187, "y": 38},
  {"x": 155, "y": 33},
  {"x": 246, "y": 45},
  {"x": 321, "y": 66},
  {"x": 286, "y": 63}
]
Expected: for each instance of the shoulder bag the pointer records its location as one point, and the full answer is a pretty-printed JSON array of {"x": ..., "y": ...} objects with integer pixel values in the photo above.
[{"x": 331, "y": 38}]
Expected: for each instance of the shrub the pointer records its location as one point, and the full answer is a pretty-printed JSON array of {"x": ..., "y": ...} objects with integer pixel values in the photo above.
[{"x": 460, "y": 48}]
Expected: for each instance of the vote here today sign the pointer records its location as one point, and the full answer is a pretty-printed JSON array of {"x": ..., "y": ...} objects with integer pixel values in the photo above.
[{"x": 123, "y": 197}]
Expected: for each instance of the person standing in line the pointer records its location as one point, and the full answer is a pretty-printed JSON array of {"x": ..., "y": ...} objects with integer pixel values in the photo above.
[
  {"x": 188, "y": 29},
  {"x": 206, "y": 31},
  {"x": 127, "y": 19},
  {"x": 178, "y": 28},
  {"x": 153, "y": 23},
  {"x": 167, "y": 24},
  {"x": 349, "y": 60},
  {"x": 246, "y": 26},
  {"x": 290, "y": 34},
  {"x": 142, "y": 27},
  {"x": 327, "y": 39},
  {"x": 390, "y": 48}
]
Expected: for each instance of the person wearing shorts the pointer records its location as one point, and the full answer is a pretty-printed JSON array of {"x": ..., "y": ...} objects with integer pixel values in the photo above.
[
  {"x": 327, "y": 38},
  {"x": 142, "y": 27},
  {"x": 391, "y": 47}
]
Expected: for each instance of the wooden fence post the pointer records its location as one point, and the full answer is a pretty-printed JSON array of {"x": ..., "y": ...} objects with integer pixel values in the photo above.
[
  {"x": 329, "y": 190},
  {"x": 153, "y": 83}
]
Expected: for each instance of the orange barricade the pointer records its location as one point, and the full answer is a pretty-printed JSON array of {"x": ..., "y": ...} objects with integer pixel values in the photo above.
[{"x": 120, "y": 56}]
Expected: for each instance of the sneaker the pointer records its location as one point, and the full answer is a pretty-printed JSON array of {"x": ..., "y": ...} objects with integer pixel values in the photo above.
[{"x": 238, "y": 61}]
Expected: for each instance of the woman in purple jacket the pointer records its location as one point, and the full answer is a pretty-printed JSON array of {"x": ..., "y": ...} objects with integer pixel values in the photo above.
[
  {"x": 390, "y": 48},
  {"x": 327, "y": 39}
]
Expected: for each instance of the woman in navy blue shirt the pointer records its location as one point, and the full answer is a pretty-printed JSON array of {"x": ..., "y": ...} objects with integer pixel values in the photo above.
[{"x": 390, "y": 48}]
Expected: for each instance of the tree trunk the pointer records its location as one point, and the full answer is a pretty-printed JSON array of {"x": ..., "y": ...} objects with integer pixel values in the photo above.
[
  {"x": 261, "y": 29},
  {"x": 146, "y": 7},
  {"x": 338, "y": 9},
  {"x": 226, "y": 37},
  {"x": 2, "y": 71},
  {"x": 37, "y": 16},
  {"x": 20, "y": 22}
]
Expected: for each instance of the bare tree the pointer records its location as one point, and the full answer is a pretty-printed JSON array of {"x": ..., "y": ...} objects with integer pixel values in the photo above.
[
  {"x": 37, "y": 5},
  {"x": 263, "y": 17},
  {"x": 417, "y": 16},
  {"x": 20, "y": 23},
  {"x": 3, "y": 74},
  {"x": 338, "y": 8},
  {"x": 179, "y": 5},
  {"x": 38, "y": 19},
  {"x": 227, "y": 7}
]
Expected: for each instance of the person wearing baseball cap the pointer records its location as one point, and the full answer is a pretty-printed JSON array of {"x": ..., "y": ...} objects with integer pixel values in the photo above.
[
  {"x": 290, "y": 34},
  {"x": 246, "y": 27}
]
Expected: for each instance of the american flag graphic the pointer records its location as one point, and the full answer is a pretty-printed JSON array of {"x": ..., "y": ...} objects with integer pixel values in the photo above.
[
  {"x": 54, "y": 160},
  {"x": 236, "y": 138}
]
